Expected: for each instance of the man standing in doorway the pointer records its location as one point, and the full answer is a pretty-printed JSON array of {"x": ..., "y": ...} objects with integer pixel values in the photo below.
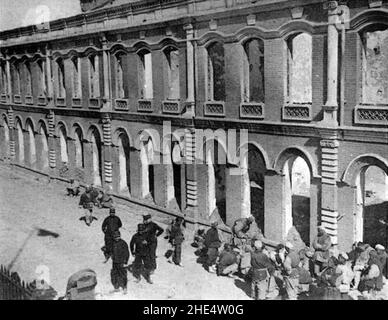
[{"x": 153, "y": 231}]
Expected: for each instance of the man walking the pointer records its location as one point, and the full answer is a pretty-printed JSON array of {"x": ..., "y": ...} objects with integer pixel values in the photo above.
[
  {"x": 120, "y": 257},
  {"x": 111, "y": 224},
  {"x": 153, "y": 231},
  {"x": 176, "y": 240},
  {"x": 140, "y": 249}
]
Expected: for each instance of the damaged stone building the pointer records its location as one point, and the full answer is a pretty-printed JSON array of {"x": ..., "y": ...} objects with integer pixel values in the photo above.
[{"x": 90, "y": 97}]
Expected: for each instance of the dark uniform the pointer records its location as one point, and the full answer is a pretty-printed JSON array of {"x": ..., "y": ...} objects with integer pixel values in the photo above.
[
  {"x": 85, "y": 199},
  {"x": 261, "y": 269},
  {"x": 110, "y": 225},
  {"x": 176, "y": 239},
  {"x": 153, "y": 231},
  {"x": 212, "y": 243},
  {"x": 94, "y": 193},
  {"x": 140, "y": 249},
  {"x": 120, "y": 257}
]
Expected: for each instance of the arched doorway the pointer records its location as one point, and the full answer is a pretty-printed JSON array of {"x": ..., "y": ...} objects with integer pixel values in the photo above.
[
  {"x": 124, "y": 163},
  {"x": 20, "y": 140},
  {"x": 31, "y": 145},
  {"x": 253, "y": 171},
  {"x": 296, "y": 199},
  {"x": 147, "y": 168},
  {"x": 64, "y": 154},
  {"x": 44, "y": 150},
  {"x": 216, "y": 179},
  {"x": 371, "y": 218},
  {"x": 5, "y": 152},
  {"x": 95, "y": 140},
  {"x": 79, "y": 147},
  {"x": 174, "y": 176}
]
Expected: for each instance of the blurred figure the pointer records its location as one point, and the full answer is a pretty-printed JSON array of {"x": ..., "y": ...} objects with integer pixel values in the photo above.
[
  {"x": 291, "y": 272},
  {"x": 372, "y": 277},
  {"x": 321, "y": 245},
  {"x": 105, "y": 199},
  {"x": 120, "y": 257},
  {"x": 85, "y": 198},
  {"x": 345, "y": 273},
  {"x": 382, "y": 255},
  {"x": 227, "y": 262},
  {"x": 212, "y": 243},
  {"x": 73, "y": 190},
  {"x": 88, "y": 217},
  {"x": 176, "y": 239}
]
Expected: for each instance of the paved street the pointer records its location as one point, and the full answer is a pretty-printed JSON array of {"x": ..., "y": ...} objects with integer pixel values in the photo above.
[{"x": 26, "y": 202}]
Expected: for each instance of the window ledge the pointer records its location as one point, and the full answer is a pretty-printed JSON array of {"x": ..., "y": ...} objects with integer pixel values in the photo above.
[
  {"x": 371, "y": 114},
  {"x": 17, "y": 98},
  {"x": 95, "y": 103},
  {"x": 171, "y": 106},
  {"x": 297, "y": 112},
  {"x": 29, "y": 99},
  {"x": 121, "y": 104},
  {"x": 252, "y": 110},
  {"x": 42, "y": 101},
  {"x": 76, "y": 102},
  {"x": 214, "y": 108},
  {"x": 145, "y": 105},
  {"x": 61, "y": 102}
]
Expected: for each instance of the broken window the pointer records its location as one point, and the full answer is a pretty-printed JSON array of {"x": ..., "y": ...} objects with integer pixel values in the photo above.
[
  {"x": 375, "y": 66},
  {"x": 15, "y": 77},
  {"x": 216, "y": 72},
  {"x": 27, "y": 72},
  {"x": 145, "y": 75},
  {"x": 76, "y": 77},
  {"x": 253, "y": 71},
  {"x": 172, "y": 62},
  {"x": 61, "y": 87},
  {"x": 119, "y": 75},
  {"x": 94, "y": 84},
  {"x": 42, "y": 77},
  {"x": 299, "y": 68}
]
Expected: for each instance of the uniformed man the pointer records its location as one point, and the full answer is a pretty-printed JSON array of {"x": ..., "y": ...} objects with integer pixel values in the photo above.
[
  {"x": 212, "y": 243},
  {"x": 153, "y": 232},
  {"x": 291, "y": 272},
  {"x": 140, "y": 249},
  {"x": 85, "y": 198},
  {"x": 111, "y": 224},
  {"x": 321, "y": 244},
  {"x": 120, "y": 257},
  {"x": 176, "y": 239},
  {"x": 262, "y": 268}
]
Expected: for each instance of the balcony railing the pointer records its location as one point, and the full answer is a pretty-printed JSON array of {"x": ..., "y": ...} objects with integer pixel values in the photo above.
[
  {"x": 144, "y": 105},
  {"x": 252, "y": 110},
  {"x": 29, "y": 100},
  {"x": 60, "y": 102},
  {"x": 17, "y": 98},
  {"x": 371, "y": 114},
  {"x": 42, "y": 101},
  {"x": 297, "y": 112},
  {"x": 171, "y": 107},
  {"x": 76, "y": 102},
  {"x": 94, "y": 103},
  {"x": 214, "y": 109},
  {"x": 121, "y": 104}
]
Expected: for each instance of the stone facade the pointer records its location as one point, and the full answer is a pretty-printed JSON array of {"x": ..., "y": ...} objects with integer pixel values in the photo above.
[{"x": 96, "y": 91}]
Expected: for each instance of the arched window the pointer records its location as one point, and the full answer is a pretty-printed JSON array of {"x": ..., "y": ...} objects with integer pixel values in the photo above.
[
  {"x": 145, "y": 75},
  {"x": 216, "y": 72},
  {"x": 42, "y": 77},
  {"x": 15, "y": 77},
  {"x": 375, "y": 65},
  {"x": 79, "y": 148},
  {"x": 119, "y": 75},
  {"x": 299, "y": 68},
  {"x": 172, "y": 72},
  {"x": 253, "y": 71},
  {"x": 61, "y": 86},
  {"x": 94, "y": 81},
  {"x": 63, "y": 144},
  {"x": 27, "y": 72},
  {"x": 3, "y": 78},
  {"x": 76, "y": 81}
]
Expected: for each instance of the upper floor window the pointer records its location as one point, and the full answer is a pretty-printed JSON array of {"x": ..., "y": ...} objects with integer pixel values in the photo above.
[
  {"x": 375, "y": 65},
  {"x": 61, "y": 86},
  {"x": 172, "y": 68},
  {"x": 3, "y": 78},
  {"x": 253, "y": 71},
  {"x": 299, "y": 68},
  {"x": 76, "y": 77},
  {"x": 94, "y": 82},
  {"x": 145, "y": 75},
  {"x": 42, "y": 77},
  {"x": 15, "y": 77},
  {"x": 119, "y": 75},
  {"x": 27, "y": 72},
  {"x": 216, "y": 72}
]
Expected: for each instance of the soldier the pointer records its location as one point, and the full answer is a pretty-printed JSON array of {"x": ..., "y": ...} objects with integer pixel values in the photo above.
[
  {"x": 153, "y": 232},
  {"x": 212, "y": 243},
  {"x": 176, "y": 239},
  {"x": 120, "y": 257},
  {"x": 140, "y": 249},
  {"x": 321, "y": 244},
  {"x": 85, "y": 198},
  {"x": 111, "y": 224},
  {"x": 88, "y": 217},
  {"x": 291, "y": 272}
]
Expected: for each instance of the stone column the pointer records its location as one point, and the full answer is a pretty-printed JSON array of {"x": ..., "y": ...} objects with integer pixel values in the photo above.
[
  {"x": 107, "y": 149},
  {"x": 52, "y": 142},
  {"x": 191, "y": 174},
  {"x": 11, "y": 124},
  {"x": 50, "y": 90},
  {"x": 9, "y": 85},
  {"x": 190, "y": 100},
  {"x": 106, "y": 70},
  {"x": 331, "y": 106},
  {"x": 329, "y": 192}
]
